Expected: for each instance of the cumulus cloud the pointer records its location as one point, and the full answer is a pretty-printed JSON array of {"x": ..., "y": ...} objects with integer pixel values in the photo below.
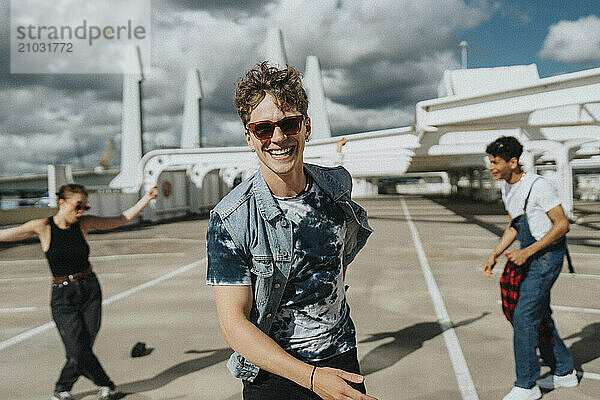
[
  {"x": 378, "y": 59},
  {"x": 573, "y": 41},
  {"x": 347, "y": 120},
  {"x": 41, "y": 125}
]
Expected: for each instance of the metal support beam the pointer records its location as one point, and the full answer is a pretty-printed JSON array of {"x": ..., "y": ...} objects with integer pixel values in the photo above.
[{"x": 366, "y": 155}]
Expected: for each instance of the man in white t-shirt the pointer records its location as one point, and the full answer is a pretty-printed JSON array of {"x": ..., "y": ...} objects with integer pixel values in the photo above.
[{"x": 538, "y": 221}]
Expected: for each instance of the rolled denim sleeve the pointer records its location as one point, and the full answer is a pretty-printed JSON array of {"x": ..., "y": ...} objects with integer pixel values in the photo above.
[{"x": 226, "y": 264}]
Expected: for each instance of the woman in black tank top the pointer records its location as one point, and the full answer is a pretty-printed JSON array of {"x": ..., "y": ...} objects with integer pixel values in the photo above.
[
  {"x": 76, "y": 295},
  {"x": 68, "y": 252}
]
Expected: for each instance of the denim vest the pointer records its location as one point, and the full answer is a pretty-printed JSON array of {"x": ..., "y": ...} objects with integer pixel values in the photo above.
[{"x": 261, "y": 232}]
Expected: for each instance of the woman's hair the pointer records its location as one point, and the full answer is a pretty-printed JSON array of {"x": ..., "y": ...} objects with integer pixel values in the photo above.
[
  {"x": 283, "y": 84},
  {"x": 66, "y": 191},
  {"x": 505, "y": 147}
]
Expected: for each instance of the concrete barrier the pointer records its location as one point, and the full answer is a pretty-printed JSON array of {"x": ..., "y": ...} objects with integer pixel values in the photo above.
[{"x": 20, "y": 215}]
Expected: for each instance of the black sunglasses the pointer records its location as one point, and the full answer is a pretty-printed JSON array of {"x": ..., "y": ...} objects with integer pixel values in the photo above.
[
  {"x": 263, "y": 130},
  {"x": 78, "y": 206}
]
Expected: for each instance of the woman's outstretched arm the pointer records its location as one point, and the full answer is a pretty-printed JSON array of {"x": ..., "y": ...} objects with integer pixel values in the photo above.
[
  {"x": 104, "y": 223},
  {"x": 27, "y": 230}
]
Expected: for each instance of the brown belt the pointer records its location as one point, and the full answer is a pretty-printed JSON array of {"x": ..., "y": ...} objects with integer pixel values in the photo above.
[{"x": 74, "y": 277}]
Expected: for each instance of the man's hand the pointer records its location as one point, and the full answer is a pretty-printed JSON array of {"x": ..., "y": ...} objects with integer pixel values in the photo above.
[
  {"x": 488, "y": 266},
  {"x": 518, "y": 257},
  {"x": 508, "y": 237},
  {"x": 330, "y": 384}
]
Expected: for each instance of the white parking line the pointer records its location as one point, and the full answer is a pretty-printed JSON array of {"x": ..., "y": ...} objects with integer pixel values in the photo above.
[
  {"x": 47, "y": 278},
  {"x": 580, "y": 276},
  {"x": 590, "y": 375},
  {"x": 570, "y": 309},
  {"x": 153, "y": 282},
  {"x": 461, "y": 370},
  {"x": 42, "y": 328},
  {"x": 576, "y": 309},
  {"x": 96, "y": 258},
  {"x": 17, "y": 309},
  {"x": 585, "y": 254}
]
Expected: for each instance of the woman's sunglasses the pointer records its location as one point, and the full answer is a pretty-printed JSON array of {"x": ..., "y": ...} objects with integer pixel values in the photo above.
[
  {"x": 78, "y": 206},
  {"x": 263, "y": 130}
]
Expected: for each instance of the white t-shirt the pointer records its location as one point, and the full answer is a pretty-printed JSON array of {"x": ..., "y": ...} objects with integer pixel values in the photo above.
[{"x": 542, "y": 199}]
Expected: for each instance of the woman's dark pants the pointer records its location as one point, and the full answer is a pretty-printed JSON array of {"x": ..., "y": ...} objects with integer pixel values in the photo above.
[{"x": 77, "y": 312}]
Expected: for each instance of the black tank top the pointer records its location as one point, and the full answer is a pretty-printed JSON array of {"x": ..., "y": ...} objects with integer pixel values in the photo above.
[{"x": 68, "y": 252}]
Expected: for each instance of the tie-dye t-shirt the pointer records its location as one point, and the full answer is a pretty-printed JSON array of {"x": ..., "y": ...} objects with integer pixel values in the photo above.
[{"x": 313, "y": 321}]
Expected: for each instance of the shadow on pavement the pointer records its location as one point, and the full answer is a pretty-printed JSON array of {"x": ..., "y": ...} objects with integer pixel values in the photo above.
[
  {"x": 167, "y": 376},
  {"x": 587, "y": 348},
  {"x": 470, "y": 210},
  {"x": 405, "y": 342},
  {"x": 416, "y": 218}
]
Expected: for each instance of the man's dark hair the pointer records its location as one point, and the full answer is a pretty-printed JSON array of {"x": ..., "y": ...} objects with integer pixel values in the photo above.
[
  {"x": 283, "y": 84},
  {"x": 505, "y": 147}
]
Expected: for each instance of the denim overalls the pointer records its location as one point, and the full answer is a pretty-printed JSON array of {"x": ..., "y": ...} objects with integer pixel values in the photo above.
[{"x": 533, "y": 307}]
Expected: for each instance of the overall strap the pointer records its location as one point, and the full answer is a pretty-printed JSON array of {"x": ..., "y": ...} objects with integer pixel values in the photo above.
[
  {"x": 567, "y": 255},
  {"x": 528, "y": 194}
]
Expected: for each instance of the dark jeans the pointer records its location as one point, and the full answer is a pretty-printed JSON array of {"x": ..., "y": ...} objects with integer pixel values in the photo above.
[
  {"x": 77, "y": 311},
  {"x": 268, "y": 386},
  {"x": 532, "y": 308}
]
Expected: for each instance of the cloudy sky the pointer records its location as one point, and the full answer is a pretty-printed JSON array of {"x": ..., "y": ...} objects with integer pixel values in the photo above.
[{"x": 378, "y": 58}]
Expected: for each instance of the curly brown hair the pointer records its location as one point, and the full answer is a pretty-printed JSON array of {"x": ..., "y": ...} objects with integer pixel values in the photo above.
[{"x": 284, "y": 85}]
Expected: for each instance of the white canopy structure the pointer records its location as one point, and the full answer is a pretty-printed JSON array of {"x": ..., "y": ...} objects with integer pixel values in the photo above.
[
  {"x": 273, "y": 49},
  {"x": 131, "y": 129},
  {"x": 191, "y": 128},
  {"x": 555, "y": 117},
  {"x": 317, "y": 108}
]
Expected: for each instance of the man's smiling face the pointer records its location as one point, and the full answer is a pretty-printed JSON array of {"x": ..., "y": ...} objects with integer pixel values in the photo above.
[
  {"x": 500, "y": 168},
  {"x": 280, "y": 155}
]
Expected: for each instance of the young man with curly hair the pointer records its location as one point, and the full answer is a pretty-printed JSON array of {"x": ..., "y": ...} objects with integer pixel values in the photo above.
[
  {"x": 278, "y": 247},
  {"x": 538, "y": 221}
]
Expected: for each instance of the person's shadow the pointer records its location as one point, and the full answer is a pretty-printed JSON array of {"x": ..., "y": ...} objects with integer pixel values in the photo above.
[
  {"x": 587, "y": 348},
  {"x": 405, "y": 341},
  {"x": 167, "y": 376}
]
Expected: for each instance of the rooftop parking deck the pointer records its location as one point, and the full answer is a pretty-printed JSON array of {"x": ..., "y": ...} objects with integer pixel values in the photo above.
[{"x": 429, "y": 324}]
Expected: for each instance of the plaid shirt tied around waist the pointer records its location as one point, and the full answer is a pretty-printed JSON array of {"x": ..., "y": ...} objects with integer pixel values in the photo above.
[{"x": 510, "y": 282}]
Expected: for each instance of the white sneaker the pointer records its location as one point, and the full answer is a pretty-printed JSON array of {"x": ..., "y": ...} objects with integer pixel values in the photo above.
[
  {"x": 62, "y": 396},
  {"x": 106, "y": 393},
  {"x": 555, "y": 381},
  {"x": 519, "y": 393}
]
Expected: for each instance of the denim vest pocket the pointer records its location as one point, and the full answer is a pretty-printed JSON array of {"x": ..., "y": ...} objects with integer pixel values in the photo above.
[{"x": 262, "y": 267}]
